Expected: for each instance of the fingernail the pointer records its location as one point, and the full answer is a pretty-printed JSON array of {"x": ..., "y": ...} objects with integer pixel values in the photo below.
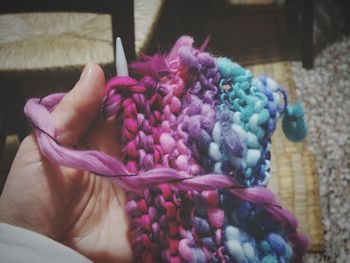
[{"x": 86, "y": 71}]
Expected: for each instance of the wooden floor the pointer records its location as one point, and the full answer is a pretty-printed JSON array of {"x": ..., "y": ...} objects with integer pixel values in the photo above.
[{"x": 247, "y": 39}]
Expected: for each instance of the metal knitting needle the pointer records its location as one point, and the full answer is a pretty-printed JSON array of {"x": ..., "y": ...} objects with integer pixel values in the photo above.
[{"x": 120, "y": 60}]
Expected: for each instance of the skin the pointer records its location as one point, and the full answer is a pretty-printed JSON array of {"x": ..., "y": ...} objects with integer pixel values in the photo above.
[{"x": 76, "y": 208}]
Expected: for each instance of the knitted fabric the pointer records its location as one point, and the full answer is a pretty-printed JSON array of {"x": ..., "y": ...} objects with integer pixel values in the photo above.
[
  {"x": 203, "y": 117},
  {"x": 200, "y": 114}
]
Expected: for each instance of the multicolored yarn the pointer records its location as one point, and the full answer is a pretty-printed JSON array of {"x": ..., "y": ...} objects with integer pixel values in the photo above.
[
  {"x": 196, "y": 139},
  {"x": 249, "y": 109}
]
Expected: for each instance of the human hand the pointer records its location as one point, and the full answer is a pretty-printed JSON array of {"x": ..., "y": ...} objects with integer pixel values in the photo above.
[{"x": 73, "y": 207}]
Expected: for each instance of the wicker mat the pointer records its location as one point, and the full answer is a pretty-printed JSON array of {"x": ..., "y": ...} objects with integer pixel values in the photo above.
[{"x": 294, "y": 176}]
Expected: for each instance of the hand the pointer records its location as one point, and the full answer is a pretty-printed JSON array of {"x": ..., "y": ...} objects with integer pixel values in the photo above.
[{"x": 76, "y": 208}]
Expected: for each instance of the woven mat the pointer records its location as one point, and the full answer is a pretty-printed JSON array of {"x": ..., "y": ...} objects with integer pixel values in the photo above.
[
  {"x": 294, "y": 176},
  {"x": 47, "y": 41}
]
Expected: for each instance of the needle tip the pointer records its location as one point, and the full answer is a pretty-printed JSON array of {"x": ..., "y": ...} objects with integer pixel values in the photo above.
[{"x": 121, "y": 63}]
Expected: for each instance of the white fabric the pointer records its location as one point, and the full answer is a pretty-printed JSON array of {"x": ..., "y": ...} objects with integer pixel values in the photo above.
[{"x": 21, "y": 245}]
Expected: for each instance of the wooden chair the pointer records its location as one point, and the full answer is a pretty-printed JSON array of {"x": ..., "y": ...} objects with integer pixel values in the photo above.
[
  {"x": 201, "y": 18},
  {"x": 15, "y": 80},
  {"x": 289, "y": 7},
  {"x": 121, "y": 11}
]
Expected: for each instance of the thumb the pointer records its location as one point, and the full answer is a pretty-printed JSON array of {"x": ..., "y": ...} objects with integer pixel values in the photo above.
[{"x": 79, "y": 107}]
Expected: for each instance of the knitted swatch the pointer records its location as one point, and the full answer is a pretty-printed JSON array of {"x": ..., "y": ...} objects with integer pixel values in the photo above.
[
  {"x": 196, "y": 130},
  {"x": 199, "y": 114}
]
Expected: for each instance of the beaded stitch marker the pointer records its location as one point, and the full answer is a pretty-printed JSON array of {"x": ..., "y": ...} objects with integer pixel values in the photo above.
[{"x": 195, "y": 137}]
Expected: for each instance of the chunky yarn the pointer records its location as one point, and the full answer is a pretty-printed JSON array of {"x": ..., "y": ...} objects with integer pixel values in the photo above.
[
  {"x": 249, "y": 108},
  {"x": 196, "y": 137},
  {"x": 293, "y": 124}
]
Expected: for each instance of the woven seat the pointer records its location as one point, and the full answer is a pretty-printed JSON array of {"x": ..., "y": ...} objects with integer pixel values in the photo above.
[
  {"x": 41, "y": 41},
  {"x": 41, "y": 53}
]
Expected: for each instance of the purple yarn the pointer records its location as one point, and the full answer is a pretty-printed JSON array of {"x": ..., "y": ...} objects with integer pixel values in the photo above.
[
  {"x": 153, "y": 66},
  {"x": 231, "y": 143},
  {"x": 198, "y": 118}
]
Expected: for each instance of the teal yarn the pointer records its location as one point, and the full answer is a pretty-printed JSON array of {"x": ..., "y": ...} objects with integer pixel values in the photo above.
[
  {"x": 293, "y": 123},
  {"x": 249, "y": 109},
  {"x": 269, "y": 259},
  {"x": 229, "y": 69},
  {"x": 265, "y": 247},
  {"x": 254, "y": 105},
  {"x": 241, "y": 247}
]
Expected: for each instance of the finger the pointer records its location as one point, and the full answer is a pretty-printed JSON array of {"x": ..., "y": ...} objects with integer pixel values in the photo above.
[
  {"x": 105, "y": 137},
  {"x": 79, "y": 107}
]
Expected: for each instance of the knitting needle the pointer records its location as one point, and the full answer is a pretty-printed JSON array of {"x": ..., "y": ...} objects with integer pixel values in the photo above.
[{"x": 120, "y": 60}]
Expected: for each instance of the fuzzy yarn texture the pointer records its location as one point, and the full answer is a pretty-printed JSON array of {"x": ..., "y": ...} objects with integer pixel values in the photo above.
[
  {"x": 196, "y": 137},
  {"x": 325, "y": 91}
]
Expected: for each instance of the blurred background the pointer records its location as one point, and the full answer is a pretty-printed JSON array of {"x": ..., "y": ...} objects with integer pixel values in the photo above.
[{"x": 303, "y": 44}]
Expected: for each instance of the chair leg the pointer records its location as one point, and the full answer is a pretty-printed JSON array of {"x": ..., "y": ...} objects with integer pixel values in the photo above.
[
  {"x": 14, "y": 120},
  {"x": 2, "y": 132},
  {"x": 307, "y": 49},
  {"x": 291, "y": 19},
  {"x": 123, "y": 26},
  {"x": 345, "y": 10},
  {"x": 20, "y": 126},
  {"x": 3, "y": 127}
]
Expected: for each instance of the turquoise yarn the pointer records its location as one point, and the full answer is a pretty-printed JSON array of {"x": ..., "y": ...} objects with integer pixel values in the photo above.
[
  {"x": 229, "y": 69},
  {"x": 254, "y": 105},
  {"x": 242, "y": 247},
  {"x": 293, "y": 123},
  {"x": 248, "y": 111},
  {"x": 269, "y": 259}
]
